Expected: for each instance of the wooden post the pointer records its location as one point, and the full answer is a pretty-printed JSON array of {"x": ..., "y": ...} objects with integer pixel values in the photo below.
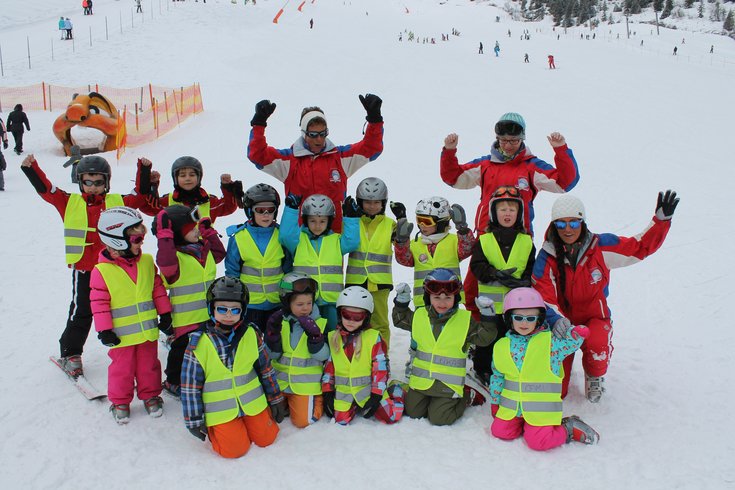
[
  {"x": 43, "y": 91},
  {"x": 137, "y": 128}
]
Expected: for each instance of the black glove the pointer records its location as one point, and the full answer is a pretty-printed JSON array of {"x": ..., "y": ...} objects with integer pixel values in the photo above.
[
  {"x": 153, "y": 198},
  {"x": 5, "y": 144},
  {"x": 108, "y": 338},
  {"x": 292, "y": 201},
  {"x": 273, "y": 332},
  {"x": 279, "y": 411},
  {"x": 505, "y": 273},
  {"x": 328, "y": 403},
  {"x": 372, "y": 405},
  {"x": 403, "y": 230},
  {"x": 372, "y": 104},
  {"x": 666, "y": 205},
  {"x": 398, "y": 209},
  {"x": 263, "y": 110},
  {"x": 235, "y": 188},
  {"x": 350, "y": 209},
  {"x": 164, "y": 324},
  {"x": 199, "y": 432},
  {"x": 513, "y": 283}
]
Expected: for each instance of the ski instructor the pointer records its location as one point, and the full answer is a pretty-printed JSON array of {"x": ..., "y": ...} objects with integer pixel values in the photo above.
[{"x": 313, "y": 164}]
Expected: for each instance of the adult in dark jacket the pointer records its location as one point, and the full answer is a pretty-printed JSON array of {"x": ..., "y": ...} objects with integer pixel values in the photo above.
[
  {"x": 3, "y": 164},
  {"x": 16, "y": 120}
]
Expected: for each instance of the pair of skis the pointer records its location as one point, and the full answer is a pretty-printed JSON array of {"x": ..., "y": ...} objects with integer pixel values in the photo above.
[{"x": 82, "y": 384}]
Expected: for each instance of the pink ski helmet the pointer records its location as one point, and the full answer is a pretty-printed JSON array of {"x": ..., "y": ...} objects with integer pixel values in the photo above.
[{"x": 523, "y": 298}]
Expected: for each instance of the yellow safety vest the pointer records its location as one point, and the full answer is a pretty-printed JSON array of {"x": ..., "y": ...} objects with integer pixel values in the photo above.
[
  {"x": 134, "y": 315},
  {"x": 441, "y": 359},
  {"x": 518, "y": 258},
  {"x": 203, "y": 207},
  {"x": 353, "y": 379},
  {"x": 445, "y": 256},
  {"x": 325, "y": 267},
  {"x": 534, "y": 389},
  {"x": 188, "y": 293},
  {"x": 76, "y": 224},
  {"x": 296, "y": 368},
  {"x": 227, "y": 392},
  {"x": 373, "y": 260},
  {"x": 260, "y": 273}
]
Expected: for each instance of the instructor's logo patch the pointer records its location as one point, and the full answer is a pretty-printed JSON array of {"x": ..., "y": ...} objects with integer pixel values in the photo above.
[
  {"x": 335, "y": 176},
  {"x": 595, "y": 276}
]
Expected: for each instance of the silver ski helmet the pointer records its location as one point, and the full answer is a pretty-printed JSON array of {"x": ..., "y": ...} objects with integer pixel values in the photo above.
[
  {"x": 94, "y": 164},
  {"x": 318, "y": 205},
  {"x": 113, "y": 225},
  {"x": 372, "y": 189}
]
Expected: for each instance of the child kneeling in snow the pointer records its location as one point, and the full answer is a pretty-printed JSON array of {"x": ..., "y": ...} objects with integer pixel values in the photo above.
[{"x": 525, "y": 387}]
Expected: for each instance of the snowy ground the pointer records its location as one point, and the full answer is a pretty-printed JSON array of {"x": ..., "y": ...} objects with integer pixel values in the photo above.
[{"x": 638, "y": 119}]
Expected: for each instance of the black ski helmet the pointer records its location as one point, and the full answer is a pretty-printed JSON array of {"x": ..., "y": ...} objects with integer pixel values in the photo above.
[
  {"x": 94, "y": 164},
  {"x": 260, "y": 193},
  {"x": 179, "y": 216},
  {"x": 227, "y": 289},
  {"x": 506, "y": 193},
  {"x": 186, "y": 162}
]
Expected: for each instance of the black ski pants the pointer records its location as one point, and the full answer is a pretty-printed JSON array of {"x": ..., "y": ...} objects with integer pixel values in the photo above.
[{"x": 80, "y": 316}]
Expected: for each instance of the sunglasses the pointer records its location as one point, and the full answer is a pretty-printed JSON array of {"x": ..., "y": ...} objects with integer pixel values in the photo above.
[
  {"x": 525, "y": 318},
  {"x": 317, "y": 134},
  {"x": 425, "y": 220},
  {"x": 223, "y": 310},
  {"x": 353, "y": 316},
  {"x": 560, "y": 225},
  {"x": 94, "y": 183},
  {"x": 506, "y": 190},
  {"x": 264, "y": 210},
  {"x": 450, "y": 288}
]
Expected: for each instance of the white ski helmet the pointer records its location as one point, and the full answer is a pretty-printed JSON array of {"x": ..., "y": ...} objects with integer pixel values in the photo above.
[
  {"x": 318, "y": 205},
  {"x": 356, "y": 297},
  {"x": 372, "y": 189},
  {"x": 435, "y": 206},
  {"x": 568, "y": 206},
  {"x": 114, "y": 223}
]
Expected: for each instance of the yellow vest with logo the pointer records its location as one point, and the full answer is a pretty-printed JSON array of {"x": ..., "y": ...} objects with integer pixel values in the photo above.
[
  {"x": 296, "y": 369},
  {"x": 441, "y": 359},
  {"x": 353, "y": 379},
  {"x": 188, "y": 293},
  {"x": 445, "y": 256},
  {"x": 134, "y": 315},
  {"x": 374, "y": 259},
  {"x": 227, "y": 392},
  {"x": 325, "y": 267},
  {"x": 535, "y": 389},
  {"x": 76, "y": 224},
  {"x": 518, "y": 258},
  {"x": 203, "y": 207},
  {"x": 260, "y": 273}
]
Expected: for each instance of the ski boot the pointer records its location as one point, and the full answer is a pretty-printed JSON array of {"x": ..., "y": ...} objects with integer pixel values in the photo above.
[
  {"x": 473, "y": 397},
  {"x": 121, "y": 413},
  {"x": 579, "y": 431},
  {"x": 593, "y": 387},
  {"x": 171, "y": 389},
  {"x": 154, "y": 406},
  {"x": 72, "y": 365}
]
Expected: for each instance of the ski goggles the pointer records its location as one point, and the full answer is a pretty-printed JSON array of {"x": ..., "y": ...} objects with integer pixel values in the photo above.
[
  {"x": 301, "y": 286},
  {"x": 574, "y": 224},
  {"x": 94, "y": 183},
  {"x": 353, "y": 316},
  {"x": 425, "y": 220},
  {"x": 137, "y": 239},
  {"x": 525, "y": 318},
  {"x": 233, "y": 310},
  {"x": 506, "y": 191},
  {"x": 450, "y": 288},
  {"x": 508, "y": 128},
  {"x": 195, "y": 215},
  {"x": 264, "y": 209},
  {"x": 317, "y": 134}
]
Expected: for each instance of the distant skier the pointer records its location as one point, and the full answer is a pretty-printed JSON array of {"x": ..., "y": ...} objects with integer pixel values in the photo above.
[
  {"x": 525, "y": 58},
  {"x": 675, "y": 50},
  {"x": 68, "y": 26},
  {"x": 138, "y": 7},
  {"x": 480, "y": 51},
  {"x": 712, "y": 49},
  {"x": 311, "y": 23},
  {"x": 552, "y": 66},
  {"x": 62, "y": 28},
  {"x": 497, "y": 49}
]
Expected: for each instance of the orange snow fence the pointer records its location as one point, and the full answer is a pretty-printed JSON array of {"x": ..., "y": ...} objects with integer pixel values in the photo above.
[
  {"x": 275, "y": 19},
  {"x": 301, "y": 6}
]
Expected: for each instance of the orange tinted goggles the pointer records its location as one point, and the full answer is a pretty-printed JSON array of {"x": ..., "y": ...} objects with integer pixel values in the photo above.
[{"x": 425, "y": 220}]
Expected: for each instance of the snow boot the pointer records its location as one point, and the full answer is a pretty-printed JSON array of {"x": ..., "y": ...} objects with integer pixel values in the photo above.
[
  {"x": 72, "y": 365},
  {"x": 473, "y": 397},
  {"x": 578, "y": 430},
  {"x": 594, "y": 387},
  {"x": 121, "y": 413},
  {"x": 154, "y": 406},
  {"x": 172, "y": 389}
]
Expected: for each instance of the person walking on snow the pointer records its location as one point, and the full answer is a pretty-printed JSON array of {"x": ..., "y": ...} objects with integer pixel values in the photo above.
[
  {"x": 3, "y": 163},
  {"x": 62, "y": 28},
  {"x": 480, "y": 52},
  {"x": 497, "y": 49},
  {"x": 552, "y": 66},
  {"x": 138, "y": 7},
  {"x": 17, "y": 120},
  {"x": 68, "y": 26}
]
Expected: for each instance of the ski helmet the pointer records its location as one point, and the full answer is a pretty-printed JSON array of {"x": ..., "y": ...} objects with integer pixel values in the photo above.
[
  {"x": 318, "y": 205},
  {"x": 523, "y": 298},
  {"x": 506, "y": 193},
  {"x": 567, "y": 206},
  {"x": 113, "y": 225},
  {"x": 372, "y": 189},
  {"x": 511, "y": 124},
  {"x": 435, "y": 208},
  {"x": 186, "y": 162},
  {"x": 183, "y": 219},
  {"x": 440, "y": 281},
  {"x": 227, "y": 289},
  {"x": 295, "y": 283},
  {"x": 357, "y": 297},
  {"x": 94, "y": 164},
  {"x": 260, "y": 193}
]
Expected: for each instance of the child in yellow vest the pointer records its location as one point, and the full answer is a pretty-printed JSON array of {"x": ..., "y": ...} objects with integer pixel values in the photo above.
[
  {"x": 317, "y": 250},
  {"x": 295, "y": 336},
  {"x": 434, "y": 246},
  {"x": 502, "y": 259},
  {"x": 440, "y": 336},
  {"x": 188, "y": 251},
  {"x": 228, "y": 381},
  {"x": 356, "y": 374},
  {"x": 370, "y": 266},
  {"x": 525, "y": 387},
  {"x": 127, "y": 297}
]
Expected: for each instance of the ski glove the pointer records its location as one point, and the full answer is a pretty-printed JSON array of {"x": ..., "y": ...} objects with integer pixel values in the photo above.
[
  {"x": 372, "y": 405},
  {"x": 235, "y": 188},
  {"x": 164, "y": 324},
  {"x": 199, "y": 432},
  {"x": 310, "y": 327},
  {"x": 328, "y": 402},
  {"x": 485, "y": 306},
  {"x": 398, "y": 209},
  {"x": 505, "y": 273},
  {"x": 273, "y": 332},
  {"x": 561, "y": 327},
  {"x": 5, "y": 144},
  {"x": 459, "y": 218},
  {"x": 350, "y": 209},
  {"x": 108, "y": 338},
  {"x": 403, "y": 294},
  {"x": 292, "y": 201},
  {"x": 666, "y": 205},
  {"x": 263, "y": 110},
  {"x": 513, "y": 283},
  {"x": 580, "y": 331},
  {"x": 403, "y": 230},
  {"x": 372, "y": 104},
  {"x": 162, "y": 228},
  {"x": 279, "y": 411}
]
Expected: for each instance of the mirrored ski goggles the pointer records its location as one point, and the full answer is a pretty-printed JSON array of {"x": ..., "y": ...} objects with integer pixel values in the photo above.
[
  {"x": 94, "y": 183},
  {"x": 353, "y": 316},
  {"x": 195, "y": 216},
  {"x": 425, "y": 220},
  {"x": 137, "y": 239},
  {"x": 574, "y": 224},
  {"x": 317, "y": 134},
  {"x": 264, "y": 209},
  {"x": 450, "y": 288},
  {"x": 300, "y": 286},
  {"x": 223, "y": 310},
  {"x": 525, "y": 318},
  {"x": 506, "y": 190}
]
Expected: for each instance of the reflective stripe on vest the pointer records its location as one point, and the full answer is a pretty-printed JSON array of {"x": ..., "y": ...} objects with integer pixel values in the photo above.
[
  {"x": 296, "y": 369},
  {"x": 76, "y": 224},
  {"x": 188, "y": 293},
  {"x": 374, "y": 259},
  {"x": 260, "y": 273},
  {"x": 203, "y": 207},
  {"x": 518, "y": 258},
  {"x": 533, "y": 392},
  {"x": 445, "y": 255},
  {"x": 134, "y": 315},
  {"x": 441, "y": 359},
  {"x": 324, "y": 267},
  {"x": 352, "y": 378},
  {"x": 227, "y": 392}
]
